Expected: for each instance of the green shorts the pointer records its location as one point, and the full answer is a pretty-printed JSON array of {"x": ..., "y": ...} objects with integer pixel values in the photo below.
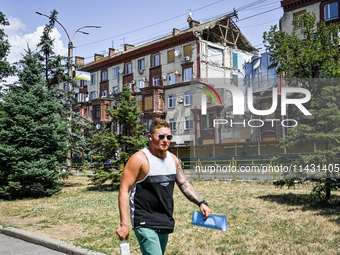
[{"x": 151, "y": 242}]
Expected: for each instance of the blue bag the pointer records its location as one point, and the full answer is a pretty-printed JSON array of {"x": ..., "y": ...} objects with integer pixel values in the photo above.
[{"x": 213, "y": 221}]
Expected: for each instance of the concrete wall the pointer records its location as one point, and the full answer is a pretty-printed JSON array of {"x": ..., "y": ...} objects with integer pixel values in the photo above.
[{"x": 288, "y": 17}]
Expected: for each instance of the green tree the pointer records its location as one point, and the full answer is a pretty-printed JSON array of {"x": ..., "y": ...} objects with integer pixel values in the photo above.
[
  {"x": 5, "y": 68},
  {"x": 130, "y": 139},
  {"x": 312, "y": 60},
  {"x": 32, "y": 138}
]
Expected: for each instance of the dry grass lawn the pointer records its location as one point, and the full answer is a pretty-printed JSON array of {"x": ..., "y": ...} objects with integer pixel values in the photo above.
[{"x": 262, "y": 219}]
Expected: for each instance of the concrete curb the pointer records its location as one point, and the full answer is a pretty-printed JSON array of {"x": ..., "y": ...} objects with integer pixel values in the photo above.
[{"x": 47, "y": 242}]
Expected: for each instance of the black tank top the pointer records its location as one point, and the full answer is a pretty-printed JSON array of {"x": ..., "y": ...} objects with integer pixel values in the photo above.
[{"x": 151, "y": 199}]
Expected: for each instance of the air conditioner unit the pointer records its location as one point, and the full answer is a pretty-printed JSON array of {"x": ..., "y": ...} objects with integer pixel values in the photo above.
[
  {"x": 180, "y": 101},
  {"x": 145, "y": 79},
  {"x": 133, "y": 82},
  {"x": 186, "y": 59},
  {"x": 164, "y": 77},
  {"x": 141, "y": 71}
]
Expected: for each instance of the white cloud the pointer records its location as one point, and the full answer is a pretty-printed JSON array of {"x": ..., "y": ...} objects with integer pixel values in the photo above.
[{"x": 19, "y": 39}]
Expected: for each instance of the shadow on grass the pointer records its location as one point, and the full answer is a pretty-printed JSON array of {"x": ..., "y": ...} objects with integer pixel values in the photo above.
[
  {"x": 70, "y": 184},
  {"x": 105, "y": 187},
  {"x": 323, "y": 208}
]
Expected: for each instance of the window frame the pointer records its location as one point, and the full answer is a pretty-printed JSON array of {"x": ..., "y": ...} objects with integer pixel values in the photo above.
[
  {"x": 154, "y": 79},
  {"x": 93, "y": 79},
  {"x": 158, "y": 62},
  {"x": 187, "y": 95},
  {"x": 141, "y": 67},
  {"x": 170, "y": 76},
  {"x": 105, "y": 75},
  {"x": 115, "y": 72},
  {"x": 171, "y": 54},
  {"x": 128, "y": 67},
  {"x": 328, "y": 5},
  {"x": 185, "y": 78},
  {"x": 190, "y": 120},
  {"x": 104, "y": 93},
  {"x": 172, "y": 101},
  {"x": 172, "y": 124},
  {"x": 97, "y": 112}
]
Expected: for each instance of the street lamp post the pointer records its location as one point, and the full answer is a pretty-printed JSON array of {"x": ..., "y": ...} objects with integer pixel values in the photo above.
[{"x": 70, "y": 56}]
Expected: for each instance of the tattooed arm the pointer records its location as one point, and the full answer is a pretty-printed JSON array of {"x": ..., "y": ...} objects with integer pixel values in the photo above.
[{"x": 189, "y": 191}]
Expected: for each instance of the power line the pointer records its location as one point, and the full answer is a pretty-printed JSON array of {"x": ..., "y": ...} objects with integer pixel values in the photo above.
[
  {"x": 259, "y": 14},
  {"x": 260, "y": 24},
  {"x": 135, "y": 30}
]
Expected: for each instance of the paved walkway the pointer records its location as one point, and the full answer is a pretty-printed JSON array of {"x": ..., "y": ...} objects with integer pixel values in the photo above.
[
  {"x": 13, "y": 246},
  {"x": 14, "y": 241}
]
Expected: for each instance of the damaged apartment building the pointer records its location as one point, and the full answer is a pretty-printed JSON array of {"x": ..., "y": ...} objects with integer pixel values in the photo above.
[{"x": 168, "y": 76}]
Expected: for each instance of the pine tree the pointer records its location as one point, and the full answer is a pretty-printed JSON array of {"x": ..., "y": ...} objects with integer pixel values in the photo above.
[
  {"x": 307, "y": 59},
  {"x": 55, "y": 74},
  {"x": 130, "y": 139},
  {"x": 32, "y": 138},
  {"x": 5, "y": 68}
]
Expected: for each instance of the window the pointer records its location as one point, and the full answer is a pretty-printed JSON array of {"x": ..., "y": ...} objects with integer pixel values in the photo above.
[
  {"x": 115, "y": 90},
  {"x": 128, "y": 68},
  {"x": 187, "y": 50},
  {"x": 148, "y": 103},
  {"x": 172, "y": 124},
  {"x": 171, "y": 56},
  {"x": 172, "y": 101},
  {"x": 235, "y": 62},
  {"x": 189, "y": 122},
  {"x": 171, "y": 79},
  {"x": 83, "y": 83},
  {"x": 188, "y": 74},
  {"x": 66, "y": 86},
  {"x": 97, "y": 112},
  {"x": 148, "y": 123},
  {"x": 141, "y": 85},
  {"x": 104, "y": 76},
  {"x": 93, "y": 79},
  {"x": 298, "y": 19},
  {"x": 80, "y": 98},
  {"x": 120, "y": 128},
  {"x": 156, "y": 81},
  {"x": 115, "y": 72},
  {"x": 141, "y": 65},
  {"x": 155, "y": 60},
  {"x": 104, "y": 93},
  {"x": 215, "y": 56},
  {"x": 93, "y": 95},
  {"x": 331, "y": 11},
  {"x": 188, "y": 98}
]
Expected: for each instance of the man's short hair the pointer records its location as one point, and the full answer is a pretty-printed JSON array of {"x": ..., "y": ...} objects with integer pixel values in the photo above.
[{"x": 158, "y": 124}]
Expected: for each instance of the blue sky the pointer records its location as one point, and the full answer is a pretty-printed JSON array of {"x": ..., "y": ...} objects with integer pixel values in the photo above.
[{"x": 134, "y": 21}]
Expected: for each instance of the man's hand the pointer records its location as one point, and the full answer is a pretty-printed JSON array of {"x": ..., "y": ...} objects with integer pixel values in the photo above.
[
  {"x": 205, "y": 210},
  {"x": 123, "y": 232}
]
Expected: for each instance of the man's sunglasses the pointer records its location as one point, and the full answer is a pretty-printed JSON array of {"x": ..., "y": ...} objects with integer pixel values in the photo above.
[{"x": 161, "y": 137}]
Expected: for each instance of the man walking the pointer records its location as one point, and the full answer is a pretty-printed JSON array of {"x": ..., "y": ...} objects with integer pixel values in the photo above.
[{"x": 150, "y": 174}]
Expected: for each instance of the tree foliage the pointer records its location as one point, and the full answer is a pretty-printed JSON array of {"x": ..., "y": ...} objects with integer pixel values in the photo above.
[
  {"x": 32, "y": 138},
  {"x": 312, "y": 59},
  {"x": 5, "y": 68},
  {"x": 121, "y": 146},
  {"x": 311, "y": 53}
]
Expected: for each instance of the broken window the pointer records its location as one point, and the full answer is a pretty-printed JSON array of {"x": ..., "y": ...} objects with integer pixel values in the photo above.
[{"x": 215, "y": 56}]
